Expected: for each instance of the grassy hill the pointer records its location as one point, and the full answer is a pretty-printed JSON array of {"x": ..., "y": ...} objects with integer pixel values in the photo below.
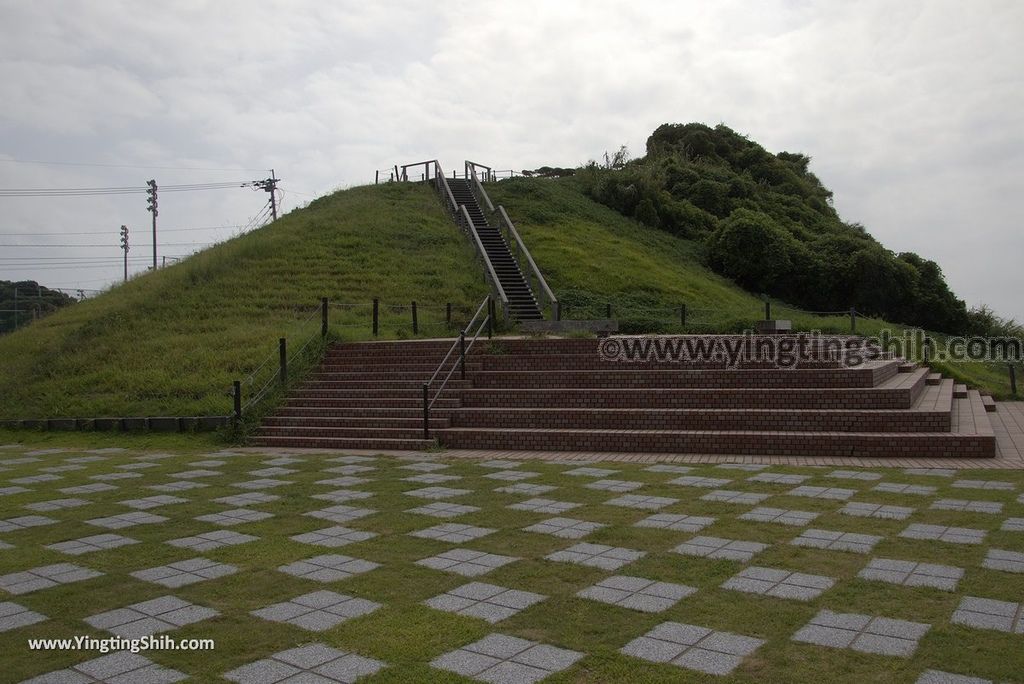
[{"x": 171, "y": 342}]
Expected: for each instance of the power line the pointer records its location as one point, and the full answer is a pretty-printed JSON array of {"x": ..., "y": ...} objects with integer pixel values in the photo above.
[
  {"x": 122, "y": 190},
  {"x": 108, "y": 232},
  {"x": 104, "y": 244}
]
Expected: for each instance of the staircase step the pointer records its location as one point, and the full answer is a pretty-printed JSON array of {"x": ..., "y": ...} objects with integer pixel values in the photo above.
[
  {"x": 301, "y": 442},
  {"x": 990, "y": 404},
  {"x": 934, "y": 378},
  {"x": 959, "y": 391}
]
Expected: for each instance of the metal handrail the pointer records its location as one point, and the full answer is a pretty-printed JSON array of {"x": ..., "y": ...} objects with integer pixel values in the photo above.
[
  {"x": 479, "y": 187},
  {"x": 464, "y": 215},
  {"x": 461, "y": 344}
]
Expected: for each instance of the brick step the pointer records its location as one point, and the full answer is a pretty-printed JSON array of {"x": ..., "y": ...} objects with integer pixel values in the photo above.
[
  {"x": 330, "y": 401},
  {"x": 970, "y": 416},
  {"x": 300, "y": 442},
  {"x": 348, "y": 421},
  {"x": 900, "y": 391},
  {"x": 960, "y": 391},
  {"x": 908, "y": 367},
  {"x": 316, "y": 390},
  {"x": 397, "y": 371},
  {"x": 318, "y": 410},
  {"x": 767, "y": 420},
  {"x": 856, "y": 444},
  {"x": 989, "y": 403},
  {"x": 591, "y": 361},
  {"x": 934, "y": 378},
  {"x": 324, "y": 382},
  {"x": 626, "y": 378},
  {"x": 305, "y": 431}
]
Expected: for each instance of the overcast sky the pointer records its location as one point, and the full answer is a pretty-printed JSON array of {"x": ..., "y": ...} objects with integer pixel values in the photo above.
[{"x": 913, "y": 112}]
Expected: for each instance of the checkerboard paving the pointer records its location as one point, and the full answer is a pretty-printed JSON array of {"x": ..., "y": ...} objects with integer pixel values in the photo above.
[
  {"x": 779, "y": 478},
  {"x": 649, "y": 503},
  {"x": 312, "y": 663},
  {"x": 431, "y": 478},
  {"x": 56, "y": 505},
  {"x": 526, "y": 488},
  {"x": 499, "y": 464},
  {"x": 967, "y": 506},
  {"x": 781, "y": 516},
  {"x": 501, "y": 659},
  {"x": 597, "y": 556},
  {"x": 833, "y": 540},
  {"x": 15, "y": 616},
  {"x": 485, "y": 601},
  {"x": 116, "y": 522},
  {"x": 157, "y": 615},
  {"x": 698, "y": 481},
  {"x": 899, "y": 488},
  {"x": 1005, "y": 560},
  {"x": 693, "y": 647},
  {"x": 45, "y": 577},
  {"x": 212, "y": 540},
  {"x": 89, "y": 488},
  {"x": 544, "y": 506},
  {"x": 779, "y": 583},
  {"x": 185, "y": 572},
  {"x": 735, "y": 497},
  {"x": 912, "y": 573},
  {"x": 443, "y": 509},
  {"x": 113, "y": 668},
  {"x": 676, "y": 522},
  {"x": 425, "y": 466},
  {"x": 614, "y": 485},
  {"x": 317, "y": 611},
  {"x": 263, "y": 483},
  {"x": 637, "y": 593},
  {"x": 234, "y": 516},
  {"x": 97, "y": 542},
  {"x": 341, "y": 513},
  {"x": 333, "y": 537},
  {"x": 953, "y": 535},
  {"x": 344, "y": 481},
  {"x": 437, "y": 493},
  {"x": 865, "y": 475},
  {"x": 872, "y": 510},
  {"x": 566, "y": 528},
  {"x": 512, "y": 475},
  {"x": 588, "y": 471},
  {"x": 667, "y": 468},
  {"x": 466, "y": 562},
  {"x": 719, "y": 548},
  {"x": 985, "y": 613},
  {"x": 865, "y": 633},
  {"x": 157, "y": 501},
  {"x": 343, "y": 495},
  {"x": 247, "y": 499},
  {"x": 328, "y": 568},
  {"x": 453, "y": 532}
]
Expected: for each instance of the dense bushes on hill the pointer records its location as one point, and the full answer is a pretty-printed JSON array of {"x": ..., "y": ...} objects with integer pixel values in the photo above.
[
  {"x": 26, "y": 300},
  {"x": 768, "y": 223}
]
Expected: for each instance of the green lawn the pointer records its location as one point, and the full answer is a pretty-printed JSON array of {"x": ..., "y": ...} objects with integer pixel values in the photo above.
[{"x": 407, "y": 635}]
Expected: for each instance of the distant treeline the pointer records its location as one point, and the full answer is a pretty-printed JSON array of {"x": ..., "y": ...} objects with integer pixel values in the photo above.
[
  {"x": 31, "y": 301},
  {"x": 768, "y": 223}
]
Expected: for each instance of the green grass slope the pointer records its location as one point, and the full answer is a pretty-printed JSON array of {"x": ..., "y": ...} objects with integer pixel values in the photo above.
[{"x": 171, "y": 342}]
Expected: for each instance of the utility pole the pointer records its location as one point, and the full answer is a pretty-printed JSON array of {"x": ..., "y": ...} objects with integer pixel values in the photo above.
[
  {"x": 269, "y": 185},
  {"x": 124, "y": 246},
  {"x": 151, "y": 207}
]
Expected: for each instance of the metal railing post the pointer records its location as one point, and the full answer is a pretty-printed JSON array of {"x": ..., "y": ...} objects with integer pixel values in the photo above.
[
  {"x": 376, "y": 316},
  {"x": 415, "y": 320},
  {"x": 462, "y": 354},
  {"x": 237, "y": 391},
  {"x": 767, "y": 311},
  {"x": 426, "y": 412},
  {"x": 682, "y": 314},
  {"x": 1013, "y": 380},
  {"x": 323, "y": 317},
  {"x": 853, "y": 321},
  {"x": 490, "y": 317},
  {"x": 608, "y": 310},
  {"x": 448, "y": 315},
  {"x": 282, "y": 345}
]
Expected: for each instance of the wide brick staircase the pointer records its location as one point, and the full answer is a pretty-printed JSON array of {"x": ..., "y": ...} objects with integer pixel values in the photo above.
[
  {"x": 522, "y": 303},
  {"x": 560, "y": 395}
]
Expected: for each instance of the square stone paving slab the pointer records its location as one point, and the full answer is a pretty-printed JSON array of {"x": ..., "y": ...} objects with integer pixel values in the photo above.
[
  {"x": 699, "y": 481},
  {"x": 900, "y": 488},
  {"x": 317, "y": 611},
  {"x": 177, "y": 486},
  {"x": 307, "y": 664},
  {"x": 247, "y": 499},
  {"x": 328, "y": 568},
  {"x": 157, "y": 501},
  {"x": 45, "y": 577},
  {"x": 263, "y": 483},
  {"x": 996, "y": 485},
  {"x": 779, "y": 583},
  {"x": 88, "y": 488},
  {"x": 150, "y": 617},
  {"x": 1013, "y": 525},
  {"x": 779, "y": 478},
  {"x": 668, "y": 468},
  {"x": 596, "y": 556},
  {"x": 526, "y": 488},
  {"x": 836, "y": 541},
  {"x": 862, "y": 509},
  {"x": 443, "y": 509},
  {"x": 512, "y": 475},
  {"x": 97, "y": 542},
  {"x": 781, "y": 516},
  {"x": 614, "y": 485},
  {"x": 940, "y": 677},
  {"x": 56, "y": 505},
  {"x": 341, "y": 513},
  {"x": 865, "y": 475},
  {"x": 455, "y": 533},
  {"x": 1004, "y": 559},
  {"x": 212, "y": 540},
  {"x": 676, "y": 522},
  {"x": 984, "y": 613},
  {"x": 122, "y": 520},
  {"x": 718, "y": 548},
  {"x": 588, "y": 471},
  {"x": 235, "y": 516},
  {"x": 735, "y": 497},
  {"x": 932, "y": 472},
  {"x": 431, "y": 478},
  {"x": 865, "y": 633},
  {"x": 501, "y": 659},
  {"x": 333, "y": 537},
  {"x": 425, "y": 466},
  {"x": 953, "y": 535},
  {"x": 566, "y": 528},
  {"x": 343, "y": 495},
  {"x": 438, "y": 492},
  {"x": 912, "y": 573},
  {"x": 466, "y": 562},
  {"x": 485, "y": 601},
  {"x": 183, "y": 573},
  {"x": 499, "y": 464},
  {"x": 25, "y": 522},
  {"x": 833, "y": 493},
  {"x": 114, "y": 668},
  {"x": 637, "y": 593},
  {"x": 967, "y": 506},
  {"x": 649, "y": 503},
  {"x": 693, "y": 647},
  {"x": 544, "y": 506},
  {"x": 13, "y": 616}
]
